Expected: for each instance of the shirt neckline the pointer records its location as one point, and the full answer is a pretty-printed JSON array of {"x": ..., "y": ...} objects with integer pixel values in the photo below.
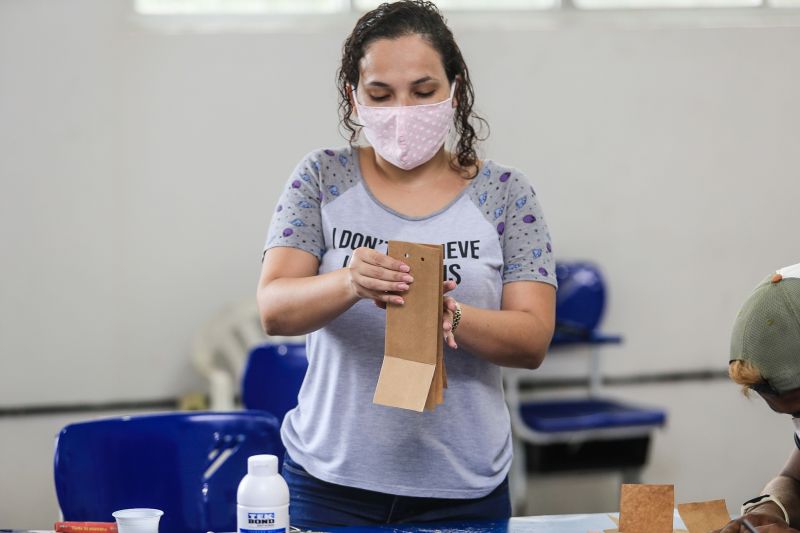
[{"x": 356, "y": 156}]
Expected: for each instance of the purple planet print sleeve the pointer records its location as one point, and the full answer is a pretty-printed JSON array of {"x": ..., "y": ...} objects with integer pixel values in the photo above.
[
  {"x": 321, "y": 177},
  {"x": 508, "y": 202}
]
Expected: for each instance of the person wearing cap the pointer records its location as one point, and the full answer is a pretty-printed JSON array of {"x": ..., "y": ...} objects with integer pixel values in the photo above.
[{"x": 765, "y": 358}]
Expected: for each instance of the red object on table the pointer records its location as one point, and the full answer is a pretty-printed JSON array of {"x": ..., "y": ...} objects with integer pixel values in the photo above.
[{"x": 85, "y": 527}]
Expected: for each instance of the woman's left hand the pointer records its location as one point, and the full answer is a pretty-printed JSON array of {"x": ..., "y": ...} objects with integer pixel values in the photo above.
[{"x": 447, "y": 317}]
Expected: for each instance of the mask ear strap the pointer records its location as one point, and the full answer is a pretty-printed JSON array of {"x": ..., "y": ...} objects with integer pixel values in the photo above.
[{"x": 453, "y": 88}]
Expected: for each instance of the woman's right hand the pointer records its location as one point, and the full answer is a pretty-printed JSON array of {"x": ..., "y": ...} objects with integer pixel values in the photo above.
[{"x": 376, "y": 276}]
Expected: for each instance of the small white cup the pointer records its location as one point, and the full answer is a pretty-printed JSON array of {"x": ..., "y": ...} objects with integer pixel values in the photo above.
[{"x": 137, "y": 520}]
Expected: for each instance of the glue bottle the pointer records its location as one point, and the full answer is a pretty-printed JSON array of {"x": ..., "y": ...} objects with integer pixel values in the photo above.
[{"x": 263, "y": 498}]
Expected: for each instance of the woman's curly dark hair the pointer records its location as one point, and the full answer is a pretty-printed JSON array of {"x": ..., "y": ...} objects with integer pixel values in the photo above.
[{"x": 412, "y": 17}]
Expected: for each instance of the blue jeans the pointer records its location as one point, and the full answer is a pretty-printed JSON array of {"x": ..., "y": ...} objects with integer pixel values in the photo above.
[{"x": 317, "y": 504}]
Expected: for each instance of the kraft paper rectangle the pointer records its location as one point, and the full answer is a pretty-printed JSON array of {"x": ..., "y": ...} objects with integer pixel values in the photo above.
[
  {"x": 646, "y": 508},
  {"x": 702, "y": 517},
  {"x": 412, "y": 375},
  {"x": 404, "y": 384}
]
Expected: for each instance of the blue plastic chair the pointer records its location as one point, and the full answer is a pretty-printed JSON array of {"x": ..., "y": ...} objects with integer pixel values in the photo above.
[
  {"x": 187, "y": 464},
  {"x": 559, "y": 416},
  {"x": 552, "y": 435},
  {"x": 273, "y": 376},
  {"x": 580, "y": 303}
]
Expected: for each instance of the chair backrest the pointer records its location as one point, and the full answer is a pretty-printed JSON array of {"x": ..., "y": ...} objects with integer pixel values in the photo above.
[
  {"x": 580, "y": 299},
  {"x": 220, "y": 350},
  {"x": 222, "y": 346},
  {"x": 273, "y": 376},
  {"x": 187, "y": 464}
]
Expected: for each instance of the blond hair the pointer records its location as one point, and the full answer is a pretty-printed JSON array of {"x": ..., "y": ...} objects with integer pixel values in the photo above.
[{"x": 745, "y": 374}]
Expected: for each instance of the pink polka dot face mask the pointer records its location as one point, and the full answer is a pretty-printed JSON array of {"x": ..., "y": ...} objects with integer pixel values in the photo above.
[{"x": 407, "y": 136}]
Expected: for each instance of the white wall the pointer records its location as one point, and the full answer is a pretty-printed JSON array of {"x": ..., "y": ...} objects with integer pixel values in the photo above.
[{"x": 140, "y": 167}]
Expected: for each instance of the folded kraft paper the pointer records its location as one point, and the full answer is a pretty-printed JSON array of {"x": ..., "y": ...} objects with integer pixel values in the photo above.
[{"x": 413, "y": 374}]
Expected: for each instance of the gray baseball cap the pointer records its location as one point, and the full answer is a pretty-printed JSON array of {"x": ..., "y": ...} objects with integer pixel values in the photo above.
[{"x": 766, "y": 332}]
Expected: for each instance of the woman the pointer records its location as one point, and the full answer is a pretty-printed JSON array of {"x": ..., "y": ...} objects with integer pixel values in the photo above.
[{"x": 404, "y": 83}]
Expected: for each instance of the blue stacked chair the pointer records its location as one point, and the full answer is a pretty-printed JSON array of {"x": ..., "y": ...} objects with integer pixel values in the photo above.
[
  {"x": 187, "y": 464},
  {"x": 588, "y": 432},
  {"x": 273, "y": 376}
]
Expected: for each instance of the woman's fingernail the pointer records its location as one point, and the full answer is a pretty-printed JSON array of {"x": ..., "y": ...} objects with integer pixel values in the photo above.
[
  {"x": 402, "y": 287},
  {"x": 399, "y": 301},
  {"x": 405, "y": 268},
  {"x": 408, "y": 279}
]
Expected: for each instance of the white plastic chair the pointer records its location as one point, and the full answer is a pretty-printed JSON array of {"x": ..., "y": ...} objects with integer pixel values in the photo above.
[{"x": 221, "y": 347}]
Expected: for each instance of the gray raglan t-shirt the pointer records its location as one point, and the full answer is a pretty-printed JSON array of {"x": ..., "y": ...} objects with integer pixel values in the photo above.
[{"x": 493, "y": 233}]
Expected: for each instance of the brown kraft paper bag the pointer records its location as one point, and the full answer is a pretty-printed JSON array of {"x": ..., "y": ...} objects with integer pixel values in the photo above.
[{"x": 412, "y": 375}]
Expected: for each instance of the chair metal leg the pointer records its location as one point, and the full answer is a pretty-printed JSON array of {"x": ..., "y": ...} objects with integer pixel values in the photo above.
[{"x": 595, "y": 373}]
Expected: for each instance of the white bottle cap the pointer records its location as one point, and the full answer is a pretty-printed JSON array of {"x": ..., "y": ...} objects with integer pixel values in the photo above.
[{"x": 262, "y": 465}]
